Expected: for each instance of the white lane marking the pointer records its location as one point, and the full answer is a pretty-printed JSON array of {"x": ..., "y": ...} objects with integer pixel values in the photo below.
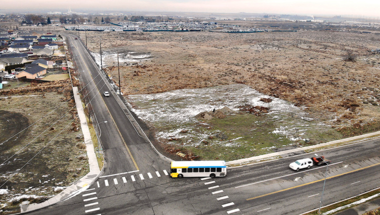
[
  {"x": 158, "y": 174},
  {"x": 95, "y": 209},
  {"x": 355, "y": 182},
  {"x": 124, "y": 179},
  {"x": 89, "y": 194},
  {"x": 133, "y": 178},
  {"x": 150, "y": 175},
  {"x": 263, "y": 210},
  {"x": 313, "y": 195},
  {"x": 98, "y": 184},
  {"x": 105, "y": 176},
  {"x": 89, "y": 190},
  {"x": 205, "y": 178},
  {"x": 221, "y": 198},
  {"x": 106, "y": 183},
  {"x": 210, "y": 188},
  {"x": 233, "y": 211},
  {"x": 166, "y": 173},
  {"x": 285, "y": 175},
  {"x": 227, "y": 205},
  {"x": 141, "y": 176},
  {"x": 216, "y": 192},
  {"x": 210, "y": 182},
  {"x": 115, "y": 181},
  {"x": 90, "y": 199},
  {"x": 95, "y": 203}
]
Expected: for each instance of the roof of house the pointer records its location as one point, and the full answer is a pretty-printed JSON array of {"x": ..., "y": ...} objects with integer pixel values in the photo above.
[
  {"x": 49, "y": 35},
  {"x": 47, "y": 52},
  {"x": 41, "y": 61},
  {"x": 52, "y": 44},
  {"x": 14, "y": 55},
  {"x": 19, "y": 46},
  {"x": 38, "y": 47},
  {"x": 23, "y": 41},
  {"x": 45, "y": 40},
  {"x": 31, "y": 37},
  {"x": 12, "y": 60},
  {"x": 4, "y": 38},
  {"x": 33, "y": 68}
]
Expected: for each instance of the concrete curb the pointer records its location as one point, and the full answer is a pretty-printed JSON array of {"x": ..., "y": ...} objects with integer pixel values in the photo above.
[
  {"x": 83, "y": 183},
  {"x": 272, "y": 156}
]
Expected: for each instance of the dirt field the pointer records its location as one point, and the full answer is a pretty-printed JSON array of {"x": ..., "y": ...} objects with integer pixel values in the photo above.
[
  {"x": 53, "y": 137},
  {"x": 332, "y": 74}
]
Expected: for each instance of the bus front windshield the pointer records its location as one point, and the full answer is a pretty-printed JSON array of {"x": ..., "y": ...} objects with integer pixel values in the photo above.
[{"x": 173, "y": 170}]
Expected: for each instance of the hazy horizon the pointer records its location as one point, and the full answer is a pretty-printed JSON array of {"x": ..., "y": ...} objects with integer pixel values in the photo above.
[{"x": 367, "y": 8}]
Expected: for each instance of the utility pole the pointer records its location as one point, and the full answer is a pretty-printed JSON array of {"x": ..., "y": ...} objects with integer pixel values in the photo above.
[
  {"x": 101, "y": 58},
  {"x": 85, "y": 34},
  {"x": 118, "y": 70}
]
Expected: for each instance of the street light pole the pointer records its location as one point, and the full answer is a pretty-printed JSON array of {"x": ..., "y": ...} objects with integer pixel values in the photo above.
[
  {"x": 323, "y": 190},
  {"x": 118, "y": 70},
  {"x": 101, "y": 60}
]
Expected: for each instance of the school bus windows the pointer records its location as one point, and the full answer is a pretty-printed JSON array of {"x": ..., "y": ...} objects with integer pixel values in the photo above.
[
  {"x": 184, "y": 169},
  {"x": 213, "y": 169},
  {"x": 190, "y": 170},
  {"x": 196, "y": 169},
  {"x": 201, "y": 169},
  {"x": 207, "y": 169},
  {"x": 218, "y": 169}
]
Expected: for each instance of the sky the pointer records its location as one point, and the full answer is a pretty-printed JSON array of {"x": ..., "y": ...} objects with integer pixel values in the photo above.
[{"x": 366, "y": 8}]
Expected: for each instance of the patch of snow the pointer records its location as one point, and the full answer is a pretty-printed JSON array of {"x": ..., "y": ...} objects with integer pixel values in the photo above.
[
  {"x": 4, "y": 191},
  {"x": 57, "y": 189}
]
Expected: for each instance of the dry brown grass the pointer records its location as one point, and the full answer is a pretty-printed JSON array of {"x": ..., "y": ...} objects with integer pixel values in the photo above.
[{"x": 305, "y": 68}]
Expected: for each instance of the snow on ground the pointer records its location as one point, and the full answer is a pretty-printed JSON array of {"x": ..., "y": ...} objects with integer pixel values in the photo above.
[
  {"x": 181, "y": 106},
  {"x": 110, "y": 58},
  {"x": 3, "y": 191}
]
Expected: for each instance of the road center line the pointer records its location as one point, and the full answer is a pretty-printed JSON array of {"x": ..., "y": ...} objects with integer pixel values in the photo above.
[
  {"x": 313, "y": 182},
  {"x": 105, "y": 176},
  {"x": 284, "y": 176},
  {"x": 313, "y": 195}
]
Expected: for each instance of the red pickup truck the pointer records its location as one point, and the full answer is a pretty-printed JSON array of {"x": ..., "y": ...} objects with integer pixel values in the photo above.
[{"x": 320, "y": 160}]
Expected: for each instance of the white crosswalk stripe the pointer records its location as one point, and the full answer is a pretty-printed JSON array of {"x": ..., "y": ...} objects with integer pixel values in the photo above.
[
  {"x": 158, "y": 174},
  {"x": 124, "y": 179},
  {"x": 133, "y": 178},
  {"x": 166, "y": 173},
  {"x": 115, "y": 181},
  {"x": 141, "y": 176},
  {"x": 106, "y": 183},
  {"x": 150, "y": 175}
]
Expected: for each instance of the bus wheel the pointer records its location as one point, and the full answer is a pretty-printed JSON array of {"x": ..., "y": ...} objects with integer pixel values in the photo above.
[
  {"x": 212, "y": 175},
  {"x": 180, "y": 176}
]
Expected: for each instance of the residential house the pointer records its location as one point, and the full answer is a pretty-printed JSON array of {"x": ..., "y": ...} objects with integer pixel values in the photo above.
[
  {"x": 52, "y": 46},
  {"x": 43, "y": 52},
  {"x": 44, "y": 41},
  {"x": 49, "y": 36},
  {"x": 29, "y": 37},
  {"x": 22, "y": 42},
  {"x": 13, "y": 55},
  {"x": 19, "y": 48},
  {"x": 41, "y": 62},
  {"x": 32, "y": 71},
  {"x": 11, "y": 61}
]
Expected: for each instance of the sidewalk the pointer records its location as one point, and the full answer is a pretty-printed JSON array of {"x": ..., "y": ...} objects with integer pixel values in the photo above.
[{"x": 83, "y": 183}]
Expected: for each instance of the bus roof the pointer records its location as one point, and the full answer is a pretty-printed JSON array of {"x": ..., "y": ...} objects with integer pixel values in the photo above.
[{"x": 197, "y": 164}]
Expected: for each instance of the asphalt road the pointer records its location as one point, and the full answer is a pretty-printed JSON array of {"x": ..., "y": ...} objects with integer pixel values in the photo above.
[{"x": 135, "y": 180}]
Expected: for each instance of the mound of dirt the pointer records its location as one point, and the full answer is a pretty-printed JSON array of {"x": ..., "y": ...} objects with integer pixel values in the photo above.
[{"x": 11, "y": 123}]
